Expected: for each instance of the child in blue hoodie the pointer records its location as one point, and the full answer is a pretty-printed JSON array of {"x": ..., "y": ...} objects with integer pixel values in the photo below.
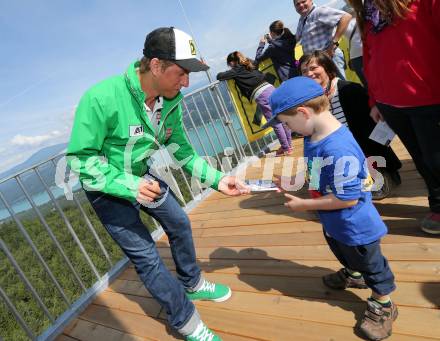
[{"x": 337, "y": 175}]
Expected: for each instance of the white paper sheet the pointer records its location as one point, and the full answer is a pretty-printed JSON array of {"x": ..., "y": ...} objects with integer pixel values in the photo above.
[
  {"x": 382, "y": 133},
  {"x": 261, "y": 185}
]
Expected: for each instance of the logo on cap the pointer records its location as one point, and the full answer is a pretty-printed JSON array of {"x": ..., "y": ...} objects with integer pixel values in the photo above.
[{"x": 192, "y": 46}]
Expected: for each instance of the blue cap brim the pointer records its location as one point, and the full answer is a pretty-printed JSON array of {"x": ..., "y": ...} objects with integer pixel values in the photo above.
[{"x": 272, "y": 122}]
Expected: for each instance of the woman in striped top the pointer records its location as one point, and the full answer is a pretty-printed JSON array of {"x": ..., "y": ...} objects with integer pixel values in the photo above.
[{"x": 349, "y": 104}]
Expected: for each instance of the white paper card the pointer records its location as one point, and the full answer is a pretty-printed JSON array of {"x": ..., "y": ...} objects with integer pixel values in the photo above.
[
  {"x": 382, "y": 133},
  {"x": 261, "y": 185}
]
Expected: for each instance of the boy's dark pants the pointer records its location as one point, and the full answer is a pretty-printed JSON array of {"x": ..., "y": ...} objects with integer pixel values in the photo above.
[{"x": 369, "y": 261}]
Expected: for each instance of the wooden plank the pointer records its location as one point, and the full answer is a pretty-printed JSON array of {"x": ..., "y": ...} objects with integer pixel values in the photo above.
[
  {"x": 140, "y": 305},
  {"x": 130, "y": 323},
  {"x": 87, "y": 331},
  {"x": 142, "y": 326},
  {"x": 403, "y": 252},
  {"x": 276, "y": 207},
  {"x": 409, "y": 294},
  {"x": 63, "y": 337},
  {"x": 264, "y": 327},
  {"x": 411, "y": 321},
  {"x": 404, "y": 271},
  {"x": 393, "y": 223},
  {"x": 244, "y": 202},
  {"x": 265, "y": 219},
  {"x": 309, "y": 238}
]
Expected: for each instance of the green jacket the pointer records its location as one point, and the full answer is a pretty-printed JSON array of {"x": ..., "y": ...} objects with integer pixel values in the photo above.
[{"x": 112, "y": 138}]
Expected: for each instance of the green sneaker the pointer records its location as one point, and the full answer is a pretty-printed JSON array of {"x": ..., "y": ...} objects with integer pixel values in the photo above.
[
  {"x": 210, "y": 292},
  {"x": 203, "y": 333}
]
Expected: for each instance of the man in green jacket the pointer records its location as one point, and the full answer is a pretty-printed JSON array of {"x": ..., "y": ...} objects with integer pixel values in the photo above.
[{"x": 118, "y": 124}]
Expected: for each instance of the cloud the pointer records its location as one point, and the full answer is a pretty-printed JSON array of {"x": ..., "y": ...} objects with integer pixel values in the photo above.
[{"x": 23, "y": 140}]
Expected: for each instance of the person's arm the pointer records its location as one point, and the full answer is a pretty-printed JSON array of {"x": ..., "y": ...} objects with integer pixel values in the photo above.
[
  {"x": 374, "y": 112},
  {"x": 342, "y": 26},
  {"x": 327, "y": 202},
  {"x": 84, "y": 154},
  {"x": 223, "y": 76},
  {"x": 263, "y": 53},
  {"x": 185, "y": 156},
  {"x": 333, "y": 18}
]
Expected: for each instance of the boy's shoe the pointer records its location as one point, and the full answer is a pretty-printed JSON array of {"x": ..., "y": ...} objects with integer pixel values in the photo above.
[
  {"x": 342, "y": 280},
  {"x": 210, "y": 292},
  {"x": 431, "y": 223},
  {"x": 203, "y": 333},
  {"x": 378, "y": 320}
]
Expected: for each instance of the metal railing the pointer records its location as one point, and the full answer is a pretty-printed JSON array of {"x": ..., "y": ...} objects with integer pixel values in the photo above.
[{"x": 56, "y": 254}]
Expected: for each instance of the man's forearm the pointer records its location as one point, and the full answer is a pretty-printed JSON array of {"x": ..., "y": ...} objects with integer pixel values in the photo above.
[{"x": 342, "y": 26}]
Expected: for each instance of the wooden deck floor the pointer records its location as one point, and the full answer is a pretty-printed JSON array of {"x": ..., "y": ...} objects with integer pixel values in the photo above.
[{"x": 273, "y": 260}]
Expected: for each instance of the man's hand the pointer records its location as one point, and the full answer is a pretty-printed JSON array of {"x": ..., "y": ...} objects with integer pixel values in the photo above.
[
  {"x": 376, "y": 115},
  {"x": 295, "y": 203},
  {"x": 230, "y": 185},
  {"x": 148, "y": 191}
]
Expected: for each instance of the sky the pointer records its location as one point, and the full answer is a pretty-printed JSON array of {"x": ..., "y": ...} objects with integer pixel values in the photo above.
[{"x": 52, "y": 51}]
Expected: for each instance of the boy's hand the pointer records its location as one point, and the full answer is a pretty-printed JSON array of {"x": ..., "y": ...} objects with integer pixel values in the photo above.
[{"x": 295, "y": 203}]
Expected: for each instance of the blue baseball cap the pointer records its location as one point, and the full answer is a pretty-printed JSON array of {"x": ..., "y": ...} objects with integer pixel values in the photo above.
[{"x": 292, "y": 93}]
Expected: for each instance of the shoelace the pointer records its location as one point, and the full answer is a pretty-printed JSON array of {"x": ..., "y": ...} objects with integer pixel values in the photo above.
[
  {"x": 204, "y": 334},
  {"x": 207, "y": 286}
]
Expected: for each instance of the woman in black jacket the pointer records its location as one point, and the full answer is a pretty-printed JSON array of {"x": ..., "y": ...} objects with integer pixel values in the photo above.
[
  {"x": 349, "y": 104},
  {"x": 280, "y": 48},
  {"x": 253, "y": 86}
]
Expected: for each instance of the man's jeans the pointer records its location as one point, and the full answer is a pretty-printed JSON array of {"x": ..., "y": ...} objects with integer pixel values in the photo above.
[{"x": 121, "y": 219}]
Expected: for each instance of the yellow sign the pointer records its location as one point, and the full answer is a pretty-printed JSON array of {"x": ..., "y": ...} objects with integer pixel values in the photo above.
[
  {"x": 250, "y": 114},
  {"x": 350, "y": 75}
]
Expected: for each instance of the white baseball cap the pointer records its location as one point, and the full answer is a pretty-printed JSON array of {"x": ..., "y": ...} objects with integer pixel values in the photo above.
[{"x": 169, "y": 43}]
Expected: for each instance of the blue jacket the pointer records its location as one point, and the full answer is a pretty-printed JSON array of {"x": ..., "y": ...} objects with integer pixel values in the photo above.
[{"x": 282, "y": 52}]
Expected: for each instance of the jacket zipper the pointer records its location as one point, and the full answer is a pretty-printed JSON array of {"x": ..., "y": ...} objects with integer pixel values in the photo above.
[
  {"x": 143, "y": 109},
  {"x": 166, "y": 116}
]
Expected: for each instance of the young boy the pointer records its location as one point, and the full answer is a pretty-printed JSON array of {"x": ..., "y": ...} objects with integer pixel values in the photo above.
[{"x": 352, "y": 225}]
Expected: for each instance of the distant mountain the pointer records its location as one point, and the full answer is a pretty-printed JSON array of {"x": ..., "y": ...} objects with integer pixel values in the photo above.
[{"x": 41, "y": 155}]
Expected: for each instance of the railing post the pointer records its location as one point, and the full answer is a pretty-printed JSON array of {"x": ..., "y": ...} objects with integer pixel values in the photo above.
[
  {"x": 232, "y": 143},
  {"x": 229, "y": 121},
  {"x": 16, "y": 314},
  {"x": 26, "y": 282},
  {"x": 51, "y": 234},
  {"x": 197, "y": 133},
  {"x": 34, "y": 249},
  {"x": 69, "y": 226}
]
